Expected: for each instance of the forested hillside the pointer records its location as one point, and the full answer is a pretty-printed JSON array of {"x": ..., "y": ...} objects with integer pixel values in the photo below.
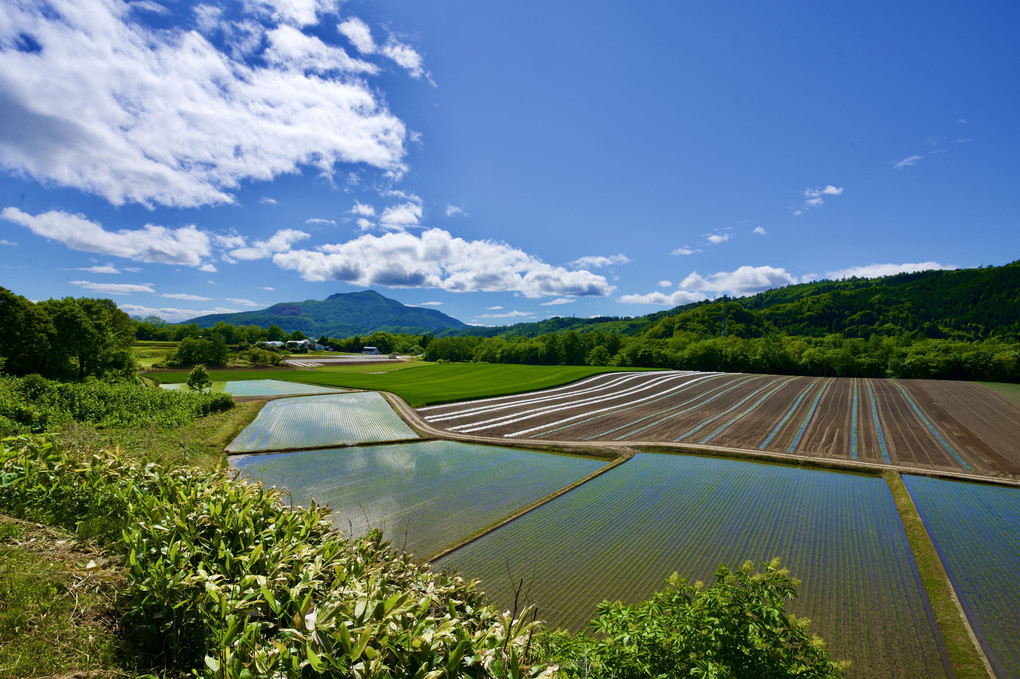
[{"x": 341, "y": 315}]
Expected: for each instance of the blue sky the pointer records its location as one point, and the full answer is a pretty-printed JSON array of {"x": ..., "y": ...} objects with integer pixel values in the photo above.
[{"x": 499, "y": 161}]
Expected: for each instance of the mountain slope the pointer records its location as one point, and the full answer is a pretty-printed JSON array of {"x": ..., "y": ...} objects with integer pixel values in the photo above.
[{"x": 342, "y": 315}]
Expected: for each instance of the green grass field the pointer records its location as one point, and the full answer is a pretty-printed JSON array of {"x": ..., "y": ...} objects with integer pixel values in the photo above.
[
  {"x": 1011, "y": 390},
  {"x": 148, "y": 352},
  {"x": 419, "y": 384}
]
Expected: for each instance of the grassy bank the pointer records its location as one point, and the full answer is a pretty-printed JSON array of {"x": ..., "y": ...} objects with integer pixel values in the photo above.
[{"x": 966, "y": 659}]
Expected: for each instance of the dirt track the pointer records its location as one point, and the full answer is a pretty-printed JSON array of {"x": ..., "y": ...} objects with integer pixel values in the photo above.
[{"x": 957, "y": 427}]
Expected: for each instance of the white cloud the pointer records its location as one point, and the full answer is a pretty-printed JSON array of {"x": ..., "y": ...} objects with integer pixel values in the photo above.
[
  {"x": 186, "y": 297},
  {"x": 716, "y": 238},
  {"x": 208, "y": 268},
  {"x": 509, "y": 314},
  {"x": 281, "y": 241},
  {"x": 877, "y": 270},
  {"x": 557, "y": 301},
  {"x": 665, "y": 284},
  {"x": 269, "y": 289},
  {"x": 598, "y": 261},
  {"x": 493, "y": 308},
  {"x": 400, "y": 217},
  {"x": 185, "y": 246},
  {"x": 816, "y": 197},
  {"x": 909, "y": 161},
  {"x": 267, "y": 201},
  {"x": 114, "y": 288},
  {"x": 172, "y": 314},
  {"x": 662, "y": 299},
  {"x": 685, "y": 250},
  {"x": 298, "y": 12},
  {"x": 132, "y": 269},
  {"x": 454, "y": 210},
  {"x": 108, "y": 268},
  {"x": 242, "y": 302},
  {"x": 164, "y": 116},
  {"x": 8, "y": 243},
  {"x": 320, "y": 220},
  {"x": 759, "y": 231},
  {"x": 431, "y": 304},
  {"x": 746, "y": 280},
  {"x": 436, "y": 259},
  {"x": 365, "y": 224},
  {"x": 360, "y": 35}
]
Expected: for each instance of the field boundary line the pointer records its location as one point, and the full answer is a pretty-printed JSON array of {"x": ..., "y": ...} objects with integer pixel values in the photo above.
[
  {"x": 934, "y": 576},
  {"x": 609, "y": 466}
]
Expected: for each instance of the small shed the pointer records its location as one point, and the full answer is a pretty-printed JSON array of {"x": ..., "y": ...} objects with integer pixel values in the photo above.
[{"x": 373, "y": 351}]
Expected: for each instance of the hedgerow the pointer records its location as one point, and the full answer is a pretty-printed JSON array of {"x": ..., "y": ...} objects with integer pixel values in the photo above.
[
  {"x": 225, "y": 581},
  {"x": 32, "y": 404}
]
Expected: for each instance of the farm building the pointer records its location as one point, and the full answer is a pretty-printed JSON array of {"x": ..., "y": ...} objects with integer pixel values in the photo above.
[{"x": 374, "y": 351}]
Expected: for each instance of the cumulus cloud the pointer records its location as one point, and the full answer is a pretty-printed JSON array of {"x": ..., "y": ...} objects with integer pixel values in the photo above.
[
  {"x": 436, "y": 259},
  {"x": 662, "y": 299},
  {"x": 320, "y": 220},
  {"x": 716, "y": 238},
  {"x": 558, "y": 301},
  {"x": 8, "y": 243},
  {"x": 665, "y": 284},
  {"x": 598, "y": 261},
  {"x": 166, "y": 116},
  {"x": 402, "y": 216},
  {"x": 747, "y": 280},
  {"x": 281, "y": 241},
  {"x": 760, "y": 231},
  {"x": 208, "y": 268},
  {"x": 157, "y": 244},
  {"x": 114, "y": 288},
  {"x": 816, "y": 197},
  {"x": 877, "y": 270}
]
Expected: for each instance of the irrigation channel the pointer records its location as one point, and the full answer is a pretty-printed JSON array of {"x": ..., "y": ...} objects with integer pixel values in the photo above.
[{"x": 576, "y": 529}]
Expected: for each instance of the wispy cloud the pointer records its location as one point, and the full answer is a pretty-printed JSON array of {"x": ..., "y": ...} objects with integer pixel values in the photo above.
[
  {"x": 686, "y": 250},
  {"x": 816, "y": 197},
  {"x": 186, "y": 297},
  {"x": 360, "y": 35},
  {"x": 243, "y": 302},
  {"x": 108, "y": 268},
  {"x": 877, "y": 270},
  {"x": 114, "y": 288},
  {"x": 558, "y": 301},
  {"x": 265, "y": 200},
  {"x": 8, "y": 243},
  {"x": 598, "y": 261},
  {"x": 760, "y": 231},
  {"x": 454, "y": 210},
  {"x": 431, "y": 304},
  {"x": 509, "y": 314},
  {"x": 716, "y": 238},
  {"x": 157, "y": 244},
  {"x": 320, "y": 220},
  {"x": 909, "y": 161}
]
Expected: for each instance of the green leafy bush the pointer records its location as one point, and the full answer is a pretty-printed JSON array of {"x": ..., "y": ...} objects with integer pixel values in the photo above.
[
  {"x": 737, "y": 627},
  {"x": 32, "y": 405},
  {"x": 226, "y": 582}
]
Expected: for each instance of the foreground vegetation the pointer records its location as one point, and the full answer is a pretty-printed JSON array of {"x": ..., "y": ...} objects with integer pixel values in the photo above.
[{"x": 223, "y": 581}]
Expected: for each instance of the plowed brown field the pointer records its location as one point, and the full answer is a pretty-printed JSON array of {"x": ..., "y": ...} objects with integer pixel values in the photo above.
[{"x": 954, "y": 426}]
